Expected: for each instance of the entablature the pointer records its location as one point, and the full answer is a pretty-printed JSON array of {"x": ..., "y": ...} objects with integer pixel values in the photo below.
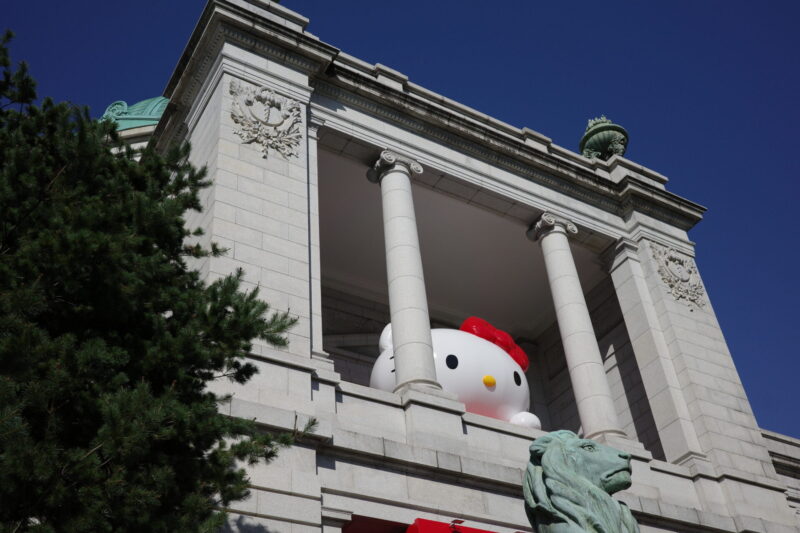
[{"x": 617, "y": 186}]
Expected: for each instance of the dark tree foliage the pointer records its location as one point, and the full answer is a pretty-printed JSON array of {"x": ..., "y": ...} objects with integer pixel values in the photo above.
[{"x": 107, "y": 339}]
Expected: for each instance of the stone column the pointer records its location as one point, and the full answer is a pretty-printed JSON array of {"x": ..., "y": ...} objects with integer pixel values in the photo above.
[
  {"x": 587, "y": 374},
  {"x": 408, "y": 303}
]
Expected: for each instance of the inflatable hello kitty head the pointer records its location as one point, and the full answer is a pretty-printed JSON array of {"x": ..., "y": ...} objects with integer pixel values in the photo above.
[{"x": 480, "y": 364}]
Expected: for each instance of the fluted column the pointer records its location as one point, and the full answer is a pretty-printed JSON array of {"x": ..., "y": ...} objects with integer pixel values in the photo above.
[
  {"x": 584, "y": 362},
  {"x": 408, "y": 302}
]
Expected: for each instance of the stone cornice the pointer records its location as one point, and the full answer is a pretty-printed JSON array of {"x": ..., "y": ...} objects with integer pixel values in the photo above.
[
  {"x": 271, "y": 24},
  {"x": 630, "y": 194},
  {"x": 279, "y": 34},
  {"x": 267, "y": 29}
]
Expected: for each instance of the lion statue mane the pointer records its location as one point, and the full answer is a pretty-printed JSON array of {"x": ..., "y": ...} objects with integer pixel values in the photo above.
[{"x": 568, "y": 484}]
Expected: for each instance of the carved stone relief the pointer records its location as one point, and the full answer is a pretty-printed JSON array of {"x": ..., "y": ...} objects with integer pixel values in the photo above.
[
  {"x": 266, "y": 119},
  {"x": 679, "y": 273}
]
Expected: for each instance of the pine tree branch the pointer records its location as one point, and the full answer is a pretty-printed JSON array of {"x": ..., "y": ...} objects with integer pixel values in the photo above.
[{"x": 28, "y": 213}]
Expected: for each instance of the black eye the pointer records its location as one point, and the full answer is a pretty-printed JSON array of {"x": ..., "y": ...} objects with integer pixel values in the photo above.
[
  {"x": 517, "y": 379},
  {"x": 451, "y": 361}
]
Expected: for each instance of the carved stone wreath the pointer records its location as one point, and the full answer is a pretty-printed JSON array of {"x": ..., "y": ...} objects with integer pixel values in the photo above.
[
  {"x": 680, "y": 275},
  {"x": 266, "y": 119}
]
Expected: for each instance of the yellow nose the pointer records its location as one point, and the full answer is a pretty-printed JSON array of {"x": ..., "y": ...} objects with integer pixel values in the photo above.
[{"x": 489, "y": 381}]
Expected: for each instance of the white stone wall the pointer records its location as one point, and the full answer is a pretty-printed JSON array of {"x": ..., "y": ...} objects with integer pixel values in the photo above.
[
  {"x": 398, "y": 458},
  {"x": 204, "y": 140},
  {"x": 723, "y": 418},
  {"x": 262, "y": 217}
]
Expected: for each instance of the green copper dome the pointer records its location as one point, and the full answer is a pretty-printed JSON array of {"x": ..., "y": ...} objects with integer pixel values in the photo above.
[{"x": 144, "y": 113}]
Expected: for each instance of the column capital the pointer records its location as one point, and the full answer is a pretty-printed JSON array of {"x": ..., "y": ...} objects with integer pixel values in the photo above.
[
  {"x": 548, "y": 222},
  {"x": 389, "y": 160}
]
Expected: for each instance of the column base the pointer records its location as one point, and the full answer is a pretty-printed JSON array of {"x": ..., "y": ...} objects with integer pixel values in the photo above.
[
  {"x": 605, "y": 434},
  {"x": 425, "y": 394},
  {"x": 625, "y": 444},
  {"x": 321, "y": 355},
  {"x": 424, "y": 385}
]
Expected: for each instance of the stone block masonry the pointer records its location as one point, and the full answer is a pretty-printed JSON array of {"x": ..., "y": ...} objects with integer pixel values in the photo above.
[{"x": 640, "y": 355}]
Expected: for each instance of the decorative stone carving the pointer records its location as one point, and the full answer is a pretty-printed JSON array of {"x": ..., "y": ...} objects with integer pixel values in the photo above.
[
  {"x": 568, "y": 483},
  {"x": 547, "y": 222},
  {"x": 387, "y": 160},
  {"x": 266, "y": 119},
  {"x": 680, "y": 275},
  {"x": 603, "y": 139}
]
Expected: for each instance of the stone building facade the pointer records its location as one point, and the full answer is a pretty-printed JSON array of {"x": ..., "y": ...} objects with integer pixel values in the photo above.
[{"x": 586, "y": 262}]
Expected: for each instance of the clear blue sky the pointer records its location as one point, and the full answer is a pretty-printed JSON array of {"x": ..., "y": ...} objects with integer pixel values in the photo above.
[{"x": 707, "y": 90}]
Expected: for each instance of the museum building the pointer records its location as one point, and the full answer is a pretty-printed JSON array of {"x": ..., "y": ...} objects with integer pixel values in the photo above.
[{"x": 354, "y": 198}]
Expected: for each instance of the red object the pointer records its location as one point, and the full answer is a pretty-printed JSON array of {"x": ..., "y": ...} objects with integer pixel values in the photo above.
[
  {"x": 421, "y": 525},
  {"x": 364, "y": 524},
  {"x": 481, "y": 328}
]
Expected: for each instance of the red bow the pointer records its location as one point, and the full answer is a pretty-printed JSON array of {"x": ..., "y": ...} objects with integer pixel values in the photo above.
[{"x": 481, "y": 328}]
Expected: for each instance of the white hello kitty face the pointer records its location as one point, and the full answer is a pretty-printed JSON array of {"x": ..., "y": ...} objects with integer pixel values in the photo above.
[{"x": 483, "y": 376}]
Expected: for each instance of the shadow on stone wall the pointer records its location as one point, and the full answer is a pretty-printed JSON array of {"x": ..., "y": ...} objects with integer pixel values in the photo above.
[{"x": 244, "y": 524}]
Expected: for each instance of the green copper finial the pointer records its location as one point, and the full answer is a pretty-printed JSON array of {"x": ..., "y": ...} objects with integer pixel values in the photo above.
[
  {"x": 603, "y": 139},
  {"x": 144, "y": 113}
]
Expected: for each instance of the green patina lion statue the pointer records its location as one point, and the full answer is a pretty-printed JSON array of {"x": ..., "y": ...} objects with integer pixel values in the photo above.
[{"x": 568, "y": 484}]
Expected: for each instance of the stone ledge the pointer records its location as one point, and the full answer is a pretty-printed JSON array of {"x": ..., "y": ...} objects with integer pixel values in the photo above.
[
  {"x": 296, "y": 493},
  {"x": 368, "y": 393},
  {"x": 501, "y": 426},
  {"x": 417, "y": 508},
  {"x": 633, "y": 447},
  {"x": 311, "y": 364},
  {"x": 277, "y": 418},
  {"x": 617, "y": 165},
  {"x": 491, "y": 473},
  {"x": 439, "y": 400},
  {"x": 330, "y": 514},
  {"x": 670, "y": 468},
  {"x": 748, "y": 524},
  {"x": 234, "y": 512},
  {"x": 650, "y": 511},
  {"x": 424, "y": 459},
  {"x": 749, "y": 479}
]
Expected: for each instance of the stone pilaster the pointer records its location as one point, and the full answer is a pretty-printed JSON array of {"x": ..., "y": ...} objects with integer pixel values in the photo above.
[
  {"x": 659, "y": 378},
  {"x": 315, "y": 266}
]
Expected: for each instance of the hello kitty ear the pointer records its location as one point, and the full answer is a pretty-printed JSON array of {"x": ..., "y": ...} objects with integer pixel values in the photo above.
[{"x": 385, "y": 342}]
